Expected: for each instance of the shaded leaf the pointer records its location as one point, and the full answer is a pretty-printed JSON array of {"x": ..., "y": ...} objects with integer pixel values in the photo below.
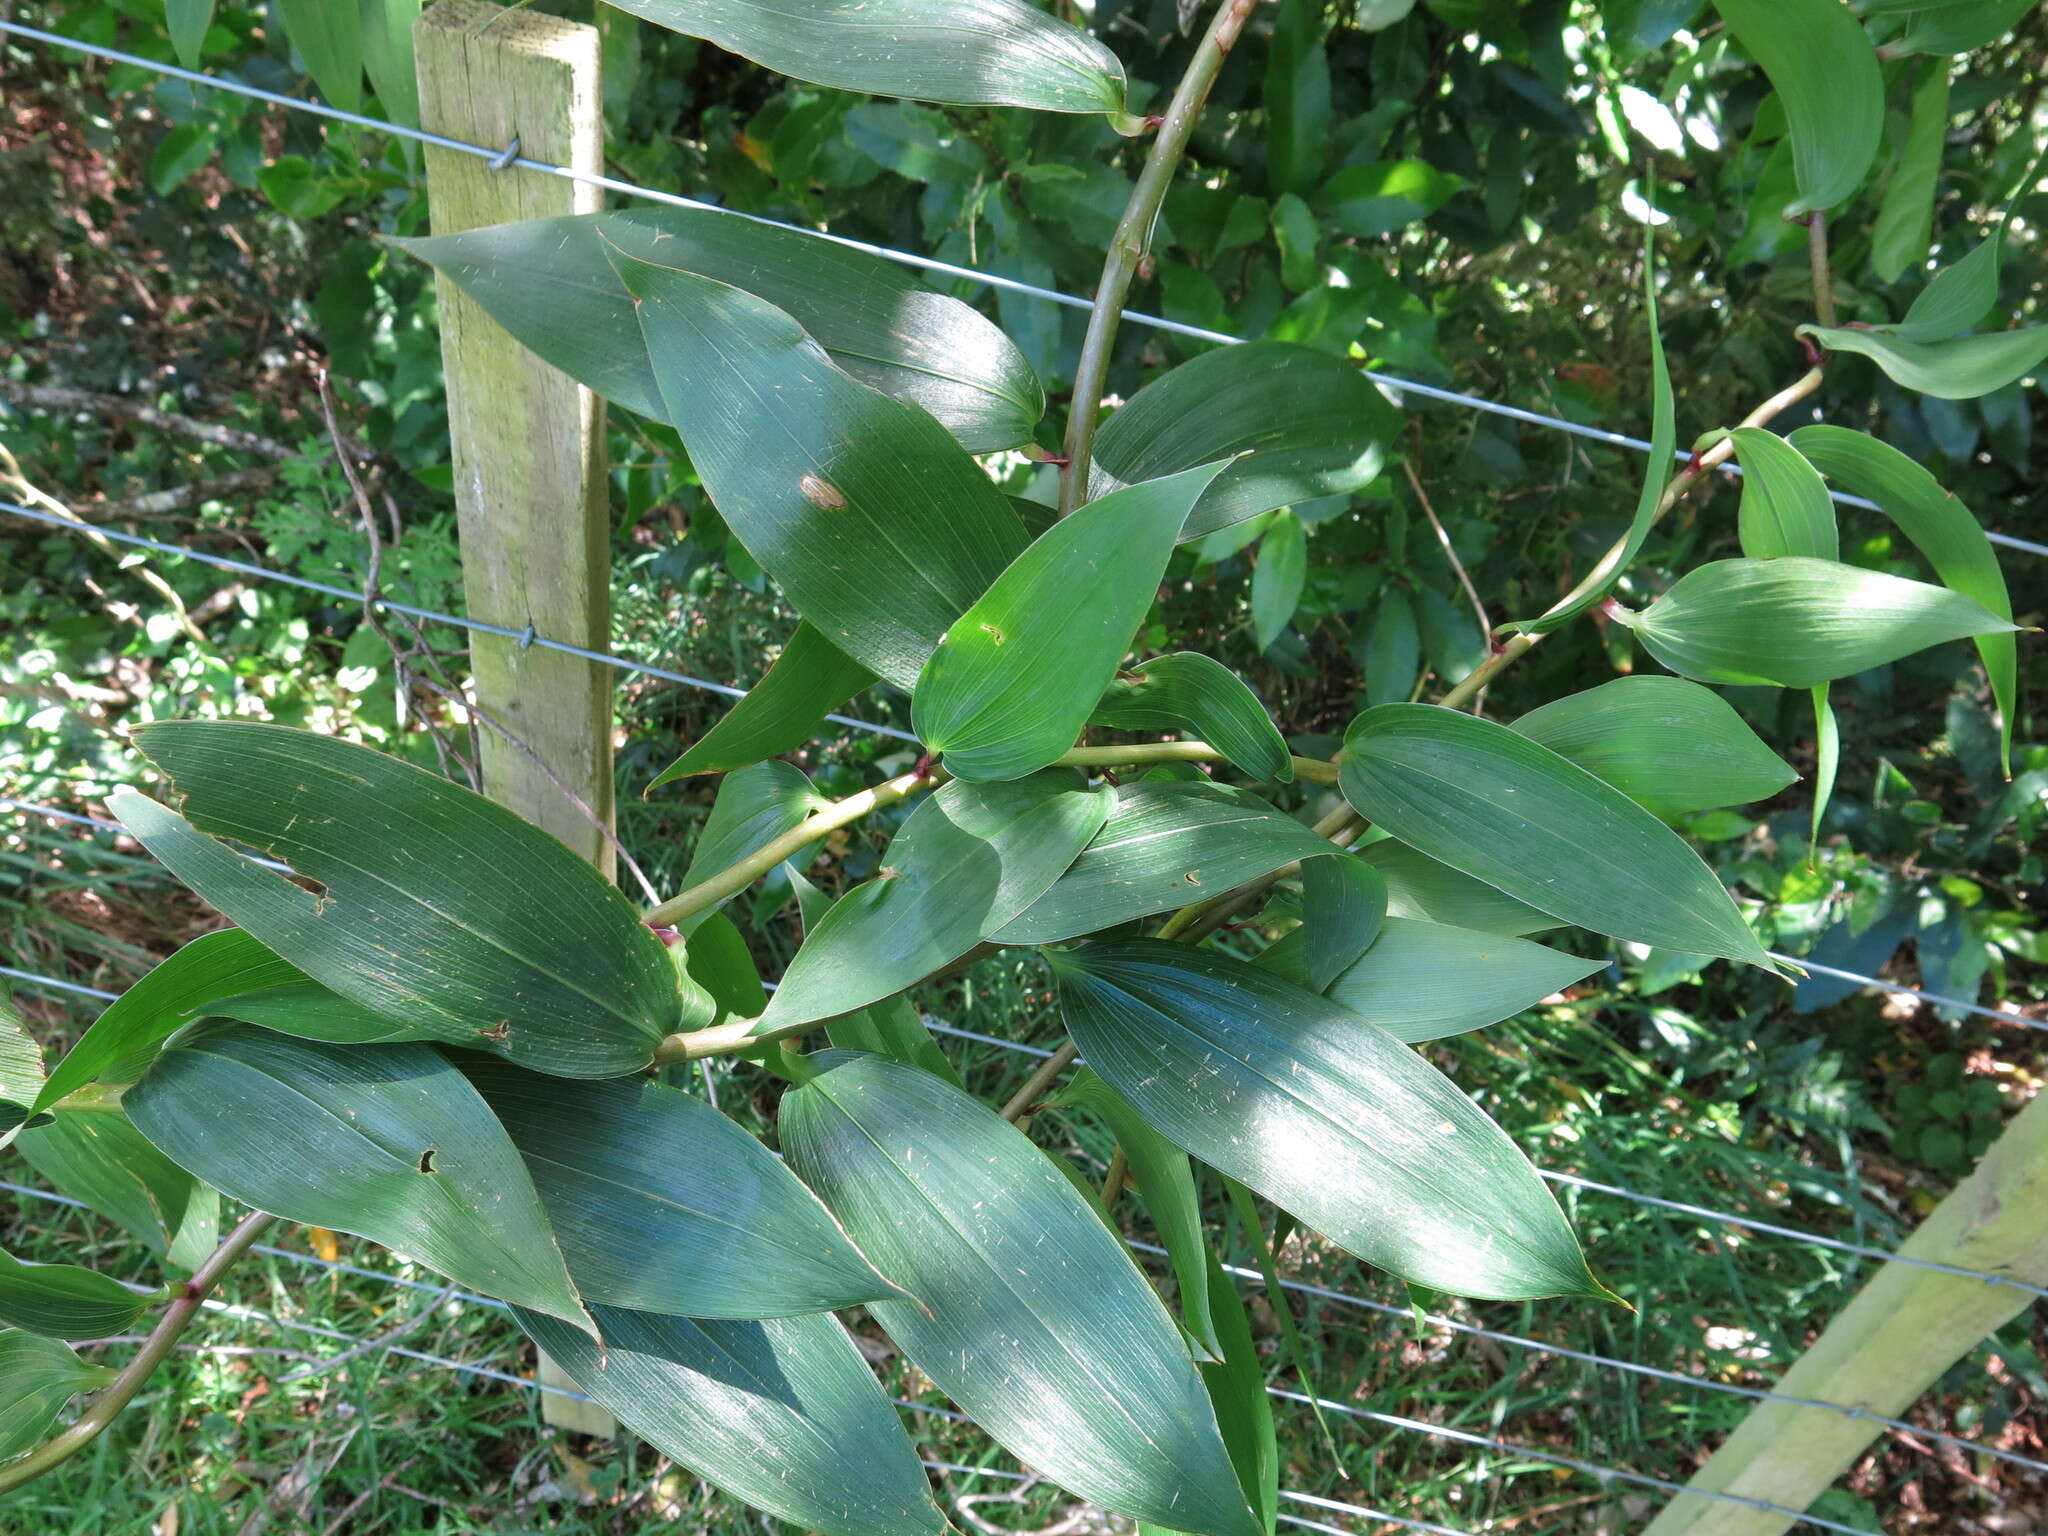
[
  {"x": 894, "y": 1028},
  {"x": 1335, "y": 1120},
  {"x": 188, "y": 21},
  {"x": 1343, "y": 904},
  {"x": 1827, "y": 755},
  {"x": 661, "y": 1204},
  {"x": 440, "y": 909},
  {"x": 111, "y": 1166},
  {"x": 1429, "y": 890},
  {"x": 1164, "y": 845},
  {"x": 312, "y": 1012},
  {"x": 1785, "y": 504},
  {"x": 1278, "y": 578},
  {"x": 1905, "y": 220},
  {"x": 38, "y": 1377},
  {"x": 783, "y": 1414},
  {"x": 1093, "y": 1386},
  {"x": 1237, "y": 1390},
  {"x": 968, "y": 861},
  {"x": 1394, "y": 651},
  {"x": 1382, "y": 196},
  {"x": 65, "y": 1301},
  {"x": 879, "y": 526},
  {"x": 1957, "y": 297},
  {"x": 1297, "y": 97},
  {"x": 1187, "y": 691},
  {"x": 1498, "y": 806},
  {"x": 388, "y": 56},
  {"x": 755, "y": 805},
  {"x": 781, "y": 712},
  {"x": 1825, "y": 71},
  {"x": 1952, "y": 29},
  {"x": 386, "y": 1141},
  {"x": 1961, "y": 368},
  {"x": 720, "y": 962},
  {"x": 327, "y": 34}
]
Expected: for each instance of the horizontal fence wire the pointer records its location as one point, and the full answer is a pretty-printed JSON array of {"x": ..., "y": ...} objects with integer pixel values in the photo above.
[
  {"x": 503, "y": 157},
  {"x": 1393, "y": 1421}
]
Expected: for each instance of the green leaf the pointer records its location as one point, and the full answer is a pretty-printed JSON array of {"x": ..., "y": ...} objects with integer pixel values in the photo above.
[
  {"x": 327, "y": 35},
  {"x": 551, "y": 283},
  {"x": 388, "y": 56},
  {"x": 1671, "y": 746},
  {"x": 188, "y": 21},
  {"x": 65, "y": 1301},
  {"x": 1905, "y": 220},
  {"x": 1187, "y": 691},
  {"x": 1793, "y": 623},
  {"x": 1278, "y": 578},
  {"x": 385, "y": 1141},
  {"x": 1343, "y": 904},
  {"x": 1298, "y": 237},
  {"x": 878, "y": 525},
  {"x": 1421, "y": 981},
  {"x": 1952, "y": 29},
  {"x": 1092, "y": 1385},
  {"x": 1247, "y": 1212},
  {"x": 1785, "y": 504},
  {"x": 184, "y": 150},
  {"x": 1294, "y": 422},
  {"x": 968, "y": 861},
  {"x": 1942, "y": 529},
  {"x": 1825, "y": 72},
  {"x": 1663, "y": 444},
  {"x": 38, "y": 1377},
  {"x": 440, "y": 909},
  {"x": 981, "y": 53},
  {"x": 1332, "y": 1119},
  {"x": 1297, "y": 97},
  {"x": 1394, "y": 651},
  {"x": 1164, "y": 845},
  {"x": 111, "y": 1166},
  {"x": 783, "y": 1414},
  {"x": 1382, "y": 196},
  {"x": 1957, "y": 297},
  {"x": 1166, "y": 1183},
  {"x": 661, "y": 1204},
  {"x": 894, "y": 1028},
  {"x": 1429, "y": 890},
  {"x": 1827, "y": 753},
  {"x": 21, "y": 1070},
  {"x": 312, "y": 1012},
  {"x": 720, "y": 962},
  {"x": 211, "y": 967},
  {"x": 1961, "y": 368},
  {"x": 1496, "y": 805},
  {"x": 1014, "y": 678},
  {"x": 1237, "y": 1390},
  {"x": 809, "y": 680},
  {"x": 755, "y": 805}
]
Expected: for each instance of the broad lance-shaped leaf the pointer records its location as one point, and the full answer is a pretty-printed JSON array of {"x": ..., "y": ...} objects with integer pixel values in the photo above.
[
  {"x": 21, "y": 1072},
  {"x": 329, "y": 37},
  {"x": 1827, "y": 754},
  {"x": 1961, "y": 368},
  {"x": 960, "y": 52},
  {"x": 754, "y": 806},
  {"x": 811, "y": 678},
  {"x": 1237, "y": 1389},
  {"x": 1322, "y": 1113},
  {"x": 1498, "y": 806},
  {"x": 1942, "y": 529},
  {"x": 1164, "y": 845},
  {"x": 879, "y": 526},
  {"x": 783, "y": 1414},
  {"x": 439, "y": 909},
  {"x": 719, "y": 961},
  {"x": 1301, "y": 423},
  {"x": 1795, "y": 622},
  {"x": 1015, "y": 677},
  {"x": 1422, "y": 981},
  {"x": 968, "y": 861},
  {"x": 1343, "y": 904},
  {"x": 188, "y": 21},
  {"x": 1663, "y": 444},
  {"x": 38, "y": 1377},
  {"x": 111, "y": 1166},
  {"x": 550, "y": 282},
  {"x": 661, "y": 1204},
  {"x": 1957, "y": 297},
  {"x": 1905, "y": 220},
  {"x": 1671, "y": 746},
  {"x": 1166, "y": 1183},
  {"x": 1429, "y": 890},
  {"x": 386, "y": 1141},
  {"x": 65, "y": 1301},
  {"x": 1091, "y": 1384},
  {"x": 1785, "y": 505},
  {"x": 1825, "y": 71},
  {"x": 311, "y": 1012},
  {"x": 894, "y": 1028},
  {"x": 1278, "y": 578},
  {"x": 1187, "y": 691}
]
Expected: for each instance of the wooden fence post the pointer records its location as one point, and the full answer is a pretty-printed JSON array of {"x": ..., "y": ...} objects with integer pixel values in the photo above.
[
  {"x": 1904, "y": 1329},
  {"x": 529, "y": 446}
]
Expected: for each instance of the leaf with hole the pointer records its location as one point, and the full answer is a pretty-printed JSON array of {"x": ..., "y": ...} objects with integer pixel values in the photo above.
[
  {"x": 1502, "y": 808},
  {"x": 1671, "y": 746},
  {"x": 1331, "y": 1118},
  {"x": 1795, "y": 622},
  {"x": 880, "y": 527},
  {"x": 1014, "y": 679},
  {"x": 1091, "y": 1385},
  {"x": 1187, "y": 691},
  {"x": 783, "y": 1414},
  {"x": 386, "y": 1141},
  {"x": 1825, "y": 71},
  {"x": 439, "y": 909},
  {"x": 1165, "y": 844},
  {"x": 781, "y": 712},
  {"x": 968, "y": 861},
  {"x": 551, "y": 283},
  {"x": 661, "y": 1204}
]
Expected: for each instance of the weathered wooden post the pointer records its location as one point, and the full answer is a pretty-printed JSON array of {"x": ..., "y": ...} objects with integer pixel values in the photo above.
[
  {"x": 1894, "y": 1341},
  {"x": 528, "y": 441}
]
